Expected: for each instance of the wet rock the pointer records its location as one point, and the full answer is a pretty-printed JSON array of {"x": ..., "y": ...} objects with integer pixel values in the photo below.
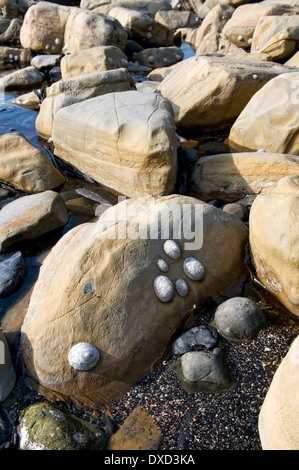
[
  {"x": 7, "y": 372},
  {"x": 77, "y": 89},
  {"x": 231, "y": 176},
  {"x": 44, "y": 426},
  {"x": 159, "y": 57},
  {"x": 28, "y": 77},
  {"x": 196, "y": 338},
  {"x": 204, "y": 372},
  {"x": 89, "y": 270},
  {"x": 193, "y": 89},
  {"x": 273, "y": 224},
  {"x": 270, "y": 124},
  {"x": 239, "y": 319},
  {"x": 29, "y": 100},
  {"x": 26, "y": 167},
  {"x": 93, "y": 60},
  {"x": 31, "y": 216},
  {"x": 51, "y": 28},
  {"x": 142, "y": 28},
  {"x": 138, "y": 432},
  {"x": 278, "y": 418},
  {"x": 131, "y": 137},
  {"x": 12, "y": 272}
]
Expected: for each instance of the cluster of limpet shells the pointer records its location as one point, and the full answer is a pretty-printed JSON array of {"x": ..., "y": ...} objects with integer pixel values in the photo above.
[{"x": 193, "y": 269}]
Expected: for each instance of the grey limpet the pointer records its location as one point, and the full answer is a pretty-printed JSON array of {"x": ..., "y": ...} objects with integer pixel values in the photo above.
[
  {"x": 193, "y": 268},
  {"x": 182, "y": 287},
  {"x": 172, "y": 249},
  {"x": 83, "y": 356},
  {"x": 163, "y": 288},
  {"x": 162, "y": 265}
]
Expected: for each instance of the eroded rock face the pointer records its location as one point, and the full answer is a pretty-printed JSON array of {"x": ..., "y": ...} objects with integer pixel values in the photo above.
[
  {"x": 102, "y": 276},
  {"x": 209, "y": 92},
  {"x": 124, "y": 140},
  {"x": 279, "y": 418},
  {"x": 270, "y": 124},
  {"x": 274, "y": 241}
]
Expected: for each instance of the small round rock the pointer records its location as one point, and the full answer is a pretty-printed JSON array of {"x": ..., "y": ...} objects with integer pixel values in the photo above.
[
  {"x": 239, "y": 319},
  {"x": 237, "y": 209}
]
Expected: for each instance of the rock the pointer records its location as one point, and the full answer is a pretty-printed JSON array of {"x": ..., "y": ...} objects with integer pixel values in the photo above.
[
  {"x": 28, "y": 77},
  {"x": 158, "y": 74},
  {"x": 29, "y": 100},
  {"x": 231, "y": 176},
  {"x": 241, "y": 26},
  {"x": 269, "y": 124},
  {"x": 7, "y": 372},
  {"x": 51, "y": 28},
  {"x": 31, "y": 216},
  {"x": 142, "y": 28},
  {"x": 219, "y": 44},
  {"x": 26, "y": 167},
  {"x": 77, "y": 89},
  {"x": 146, "y": 6},
  {"x": 209, "y": 92},
  {"x": 279, "y": 418},
  {"x": 203, "y": 8},
  {"x": 274, "y": 242},
  {"x": 204, "y": 372},
  {"x": 276, "y": 35},
  {"x": 44, "y": 426},
  {"x": 174, "y": 19},
  {"x": 213, "y": 23},
  {"x": 96, "y": 59},
  {"x": 42, "y": 62},
  {"x": 293, "y": 61},
  {"x": 138, "y": 432},
  {"x": 14, "y": 9},
  {"x": 102, "y": 281},
  {"x": 4, "y": 431},
  {"x": 129, "y": 144},
  {"x": 11, "y": 36},
  {"x": 14, "y": 55},
  {"x": 12, "y": 272},
  {"x": 239, "y": 319},
  {"x": 237, "y": 209},
  {"x": 197, "y": 337},
  {"x": 159, "y": 56},
  {"x": 4, "y": 24}
]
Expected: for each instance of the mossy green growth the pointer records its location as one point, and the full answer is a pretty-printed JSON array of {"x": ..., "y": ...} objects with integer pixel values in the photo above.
[{"x": 44, "y": 426}]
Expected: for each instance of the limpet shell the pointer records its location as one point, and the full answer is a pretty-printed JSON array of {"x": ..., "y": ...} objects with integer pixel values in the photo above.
[
  {"x": 182, "y": 287},
  {"x": 83, "y": 356},
  {"x": 193, "y": 268},
  {"x": 162, "y": 265},
  {"x": 163, "y": 288},
  {"x": 172, "y": 249}
]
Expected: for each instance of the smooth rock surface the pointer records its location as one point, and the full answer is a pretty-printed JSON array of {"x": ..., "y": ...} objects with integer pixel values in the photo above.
[
  {"x": 12, "y": 272},
  {"x": 28, "y": 77}
]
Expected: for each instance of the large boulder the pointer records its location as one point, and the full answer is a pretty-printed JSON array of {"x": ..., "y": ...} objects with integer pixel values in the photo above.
[
  {"x": 231, "y": 176},
  {"x": 209, "y": 92},
  {"x": 28, "y": 77},
  {"x": 115, "y": 308},
  {"x": 146, "y": 6},
  {"x": 30, "y": 216},
  {"x": 279, "y": 416},
  {"x": 125, "y": 141},
  {"x": 270, "y": 124},
  {"x": 51, "y": 28},
  {"x": 274, "y": 241},
  {"x": 77, "y": 89},
  {"x": 26, "y": 167}
]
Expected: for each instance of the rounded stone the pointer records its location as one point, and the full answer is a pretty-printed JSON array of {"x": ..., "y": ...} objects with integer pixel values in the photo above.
[
  {"x": 163, "y": 288},
  {"x": 193, "y": 269},
  {"x": 239, "y": 319},
  {"x": 83, "y": 356},
  {"x": 237, "y": 209}
]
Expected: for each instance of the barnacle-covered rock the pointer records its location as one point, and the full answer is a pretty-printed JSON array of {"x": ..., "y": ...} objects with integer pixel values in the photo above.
[{"x": 96, "y": 286}]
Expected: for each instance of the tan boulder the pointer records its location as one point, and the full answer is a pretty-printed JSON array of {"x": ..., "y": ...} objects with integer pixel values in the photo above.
[
  {"x": 30, "y": 216},
  {"x": 26, "y": 167},
  {"x": 14, "y": 55},
  {"x": 142, "y": 28},
  {"x": 274, "y": 241},
  {"x": 100, "y": 284},
  {"x": 129, "y": 145},
  {"x": 159, "y": 56},
  {"x": 276, "y": 35},
  {"x": 279, "y": 416},
  {"x": 146, "y": 6},
  {"x": 175, "y": 19},
  {"x": 240, "y": 27},
  {"x": 209, "y": 92},
  {"x": 49, "y": 28},
  {"x": 28, "y": 77},
  {"x": 76, "y": 89},
  {"x": 96, "y": 59},
  {"x": 267, "y": 123},
  {"x": 219, "y": 44},
  {"x": 293, "y": 61},
  {"x": 203, "y": 8},
  {"x": 230, "y": 177}
]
